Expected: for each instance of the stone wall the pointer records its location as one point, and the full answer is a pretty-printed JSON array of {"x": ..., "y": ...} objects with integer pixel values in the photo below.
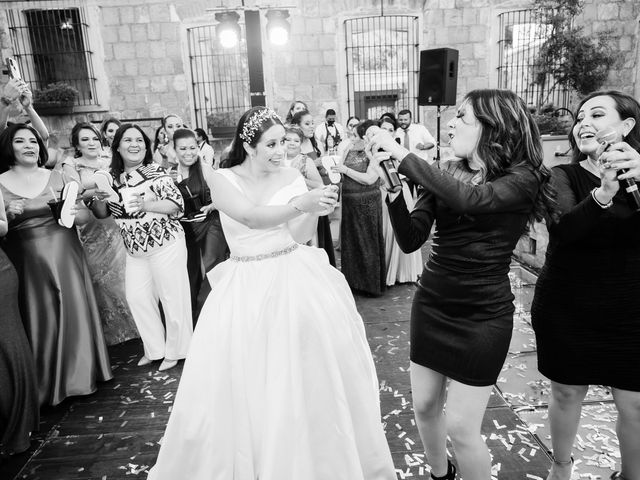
[{"x": 144, "y": 67}]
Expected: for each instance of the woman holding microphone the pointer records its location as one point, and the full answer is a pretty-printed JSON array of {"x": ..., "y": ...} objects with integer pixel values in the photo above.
[
  {"x": 586, "y": 310},
  {"x": 462, "y": 313}
]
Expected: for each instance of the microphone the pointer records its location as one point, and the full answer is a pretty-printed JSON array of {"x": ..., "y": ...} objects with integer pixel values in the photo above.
[
  {"x": 606, "y": 137},
  {"x": 391, "y": 178}
]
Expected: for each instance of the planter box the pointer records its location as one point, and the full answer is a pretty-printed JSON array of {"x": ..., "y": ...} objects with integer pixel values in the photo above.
[{"x": 53, "y": 108}]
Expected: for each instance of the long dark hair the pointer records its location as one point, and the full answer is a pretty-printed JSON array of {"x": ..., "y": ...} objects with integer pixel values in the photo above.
[
  {"x": 75, "y": 135},
  {"x": 297, "y": 120},
  {"x": 196, "y": 177},
  {"x": 117, "y": 164},
  {"x": 156, "y": 137},
  {"x": 103, "y": 129},
  {"x": 7, "y": 156},
  {"x": 509, "y": 138},
  {"x": 238, "y": 154},
  {"x": 626, "y": 106}
]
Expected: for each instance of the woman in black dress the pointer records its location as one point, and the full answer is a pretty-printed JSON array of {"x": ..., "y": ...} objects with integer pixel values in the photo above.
[
  {"x": 206, "y": 245},
  {"x": 462, "y": 313},
  {"x": 586, "y": 308}
]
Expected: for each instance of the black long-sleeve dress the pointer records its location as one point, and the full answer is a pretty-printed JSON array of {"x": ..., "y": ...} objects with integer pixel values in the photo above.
[
  {"x": 586, "y": 307},
  {"x": 462, "y": 313}
]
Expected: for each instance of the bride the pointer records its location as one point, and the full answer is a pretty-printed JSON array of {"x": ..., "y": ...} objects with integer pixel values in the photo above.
[{"x": 279, "y": 382}]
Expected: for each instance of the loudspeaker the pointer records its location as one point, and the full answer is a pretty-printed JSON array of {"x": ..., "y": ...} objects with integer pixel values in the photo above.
[{"x": 438, "y": 77}]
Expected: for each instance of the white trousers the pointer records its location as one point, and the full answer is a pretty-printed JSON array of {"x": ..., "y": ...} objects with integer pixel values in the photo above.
[{"x": 161, "y": 276}]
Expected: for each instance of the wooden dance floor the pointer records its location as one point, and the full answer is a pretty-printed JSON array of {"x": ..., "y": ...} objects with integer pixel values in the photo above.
[{"x": 114, "y": 433}]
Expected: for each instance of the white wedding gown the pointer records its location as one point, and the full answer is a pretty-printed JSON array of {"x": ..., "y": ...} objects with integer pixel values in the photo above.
[{"x": 279, "y": 382}]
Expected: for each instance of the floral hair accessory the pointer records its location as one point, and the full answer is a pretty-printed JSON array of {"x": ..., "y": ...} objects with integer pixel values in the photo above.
[{"x": 253, "y": 123}]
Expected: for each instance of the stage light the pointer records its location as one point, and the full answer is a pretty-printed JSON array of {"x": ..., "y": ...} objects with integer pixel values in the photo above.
[
  {"x": 278, "y": 27},
  {"x": 228, "y": 30}
]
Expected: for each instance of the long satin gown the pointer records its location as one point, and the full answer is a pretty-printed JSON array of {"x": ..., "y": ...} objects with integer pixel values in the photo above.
[
  {"x": 106, "y": 257},
  {"x": 279, "y": 382},
  {"x": 57, "y": 301},
  {"x": 18, "y": 392}
]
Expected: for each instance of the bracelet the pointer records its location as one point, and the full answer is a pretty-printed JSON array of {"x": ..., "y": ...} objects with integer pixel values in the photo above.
[{"x": 600, "y": 204}]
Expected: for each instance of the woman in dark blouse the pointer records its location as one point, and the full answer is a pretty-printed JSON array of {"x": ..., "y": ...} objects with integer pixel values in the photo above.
[
  {"x": 586, "y": 308},
  {"x": 462, "y": 313}
]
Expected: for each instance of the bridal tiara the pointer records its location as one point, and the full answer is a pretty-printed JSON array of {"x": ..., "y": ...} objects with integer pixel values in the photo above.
[{"x": 252, "y": 124}]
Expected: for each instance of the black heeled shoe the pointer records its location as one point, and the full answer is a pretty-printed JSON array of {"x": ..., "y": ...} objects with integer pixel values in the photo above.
[{"x": 451, "y": 472}]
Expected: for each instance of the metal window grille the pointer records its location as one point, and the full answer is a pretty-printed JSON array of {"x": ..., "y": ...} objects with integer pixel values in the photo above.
[
  {"x": 522, "y": 33},
  {"x": 220, "y": 80},
  {"x": 52, "y": 45},
  {"x": 382, "y": 65}
]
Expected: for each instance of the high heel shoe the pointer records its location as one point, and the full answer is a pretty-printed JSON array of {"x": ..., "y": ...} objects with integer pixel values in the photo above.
[
  {"x": 451, "y": 472},
  {"x": 167, "y": 364}
]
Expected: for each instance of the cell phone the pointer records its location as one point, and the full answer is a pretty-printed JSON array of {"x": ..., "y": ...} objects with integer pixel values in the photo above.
[{"x": 12, "y": 68}]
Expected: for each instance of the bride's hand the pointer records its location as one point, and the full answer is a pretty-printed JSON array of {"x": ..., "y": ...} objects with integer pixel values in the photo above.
[{"x": 318, "y": 200}]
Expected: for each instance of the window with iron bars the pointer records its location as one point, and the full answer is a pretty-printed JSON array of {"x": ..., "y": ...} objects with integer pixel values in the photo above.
[
  {"x": 382, "y": 60},
  {"x": 51, "y": 45},
  {"x": 522, "y": 33}
]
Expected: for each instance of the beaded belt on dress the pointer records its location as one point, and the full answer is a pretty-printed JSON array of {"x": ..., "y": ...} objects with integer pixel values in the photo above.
[{"x": 264, "y": 256}]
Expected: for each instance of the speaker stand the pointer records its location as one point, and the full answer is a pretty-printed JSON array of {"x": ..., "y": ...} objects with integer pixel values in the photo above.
[{"x": 438, "y": 135}]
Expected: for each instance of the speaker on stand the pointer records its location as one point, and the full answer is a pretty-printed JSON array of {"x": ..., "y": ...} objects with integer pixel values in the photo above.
[{"x": 438, "y": 82}]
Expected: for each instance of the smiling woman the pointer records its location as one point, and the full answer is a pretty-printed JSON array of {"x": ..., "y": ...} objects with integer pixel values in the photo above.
[
  {"x": 57, "y": 298},
  {"x": 147, "y": 213},
  {"x": 280, "y": 382},
  {"x": 100, "y": 237},
  {"x": 206, "y": 245},
  {"x": 585, "y": 310}
]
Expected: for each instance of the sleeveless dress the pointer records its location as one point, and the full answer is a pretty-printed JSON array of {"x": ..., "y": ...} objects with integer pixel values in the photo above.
[
  {"x": 57, "y": 301},
  {"x": 279, "y": 382},
  {"x": 106, "y": 257},
  {"x": 361, "y": 239},
  {"x": 586, "y": 307},
  {"x": 19, "y": 409}
]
